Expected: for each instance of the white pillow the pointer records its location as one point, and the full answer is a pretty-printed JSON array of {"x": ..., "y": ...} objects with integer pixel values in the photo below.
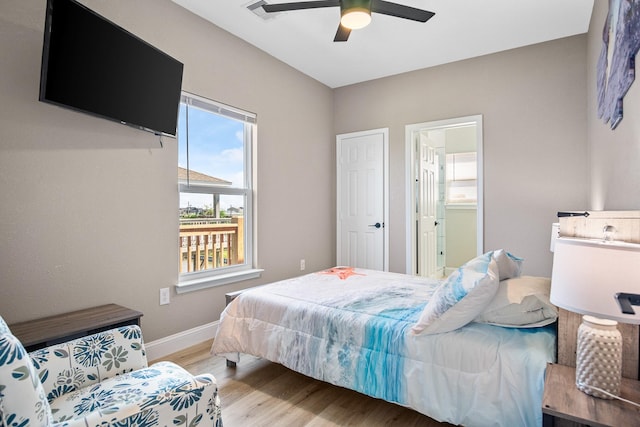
[
  {"x": 461, "y": 297},
  {"x": 509, "y": 265},
  {"x": 521, "y": 302}
]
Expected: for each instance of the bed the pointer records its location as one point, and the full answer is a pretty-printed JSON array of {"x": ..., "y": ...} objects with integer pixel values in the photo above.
[{"x": 369, "y": 331}]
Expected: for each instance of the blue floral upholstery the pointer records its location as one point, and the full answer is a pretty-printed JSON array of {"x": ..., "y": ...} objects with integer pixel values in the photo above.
[
  {"x": 22, "y": 399},
  {"x": 103, "y": 380}
]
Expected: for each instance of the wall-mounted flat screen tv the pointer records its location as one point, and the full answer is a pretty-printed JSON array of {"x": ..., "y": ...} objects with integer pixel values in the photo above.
[{"x": 92, "y": 65}]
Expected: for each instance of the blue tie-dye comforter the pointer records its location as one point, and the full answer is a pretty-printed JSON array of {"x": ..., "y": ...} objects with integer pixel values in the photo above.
[{"x": 354, "y": 330}]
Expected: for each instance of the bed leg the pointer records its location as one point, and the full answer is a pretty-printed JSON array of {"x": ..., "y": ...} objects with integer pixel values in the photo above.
[{"x": 231, "y": 364}]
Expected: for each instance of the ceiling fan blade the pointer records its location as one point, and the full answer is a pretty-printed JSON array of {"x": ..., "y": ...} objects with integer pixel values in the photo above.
[
  {"x": 400, "y": 11},
  {"x": 283, "y": 7},
  {"x": 342, "y": 35}
]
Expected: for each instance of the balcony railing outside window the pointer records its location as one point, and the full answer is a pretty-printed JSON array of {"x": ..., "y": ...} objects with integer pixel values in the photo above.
[{"x": 210, "y": 243}]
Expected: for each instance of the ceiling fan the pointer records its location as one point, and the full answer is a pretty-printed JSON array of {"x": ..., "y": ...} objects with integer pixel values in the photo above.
[{"x": 355, "y": 14}]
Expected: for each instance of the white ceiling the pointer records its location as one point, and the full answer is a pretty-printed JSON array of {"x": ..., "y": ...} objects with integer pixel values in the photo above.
[{"x": 460, "y": 29}]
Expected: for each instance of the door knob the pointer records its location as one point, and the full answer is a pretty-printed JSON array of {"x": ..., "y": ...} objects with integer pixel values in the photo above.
[{"x": 376, "y": 225}]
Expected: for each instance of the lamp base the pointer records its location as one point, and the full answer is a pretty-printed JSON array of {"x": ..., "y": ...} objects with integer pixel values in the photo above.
[{"x": 599, "y": 357}]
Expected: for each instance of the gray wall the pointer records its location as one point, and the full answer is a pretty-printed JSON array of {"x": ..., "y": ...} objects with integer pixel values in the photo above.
[
  {"x": 614, "y": 155},
  {"x": 88, "y": 207},
  {"x": 533, "y": 102}
]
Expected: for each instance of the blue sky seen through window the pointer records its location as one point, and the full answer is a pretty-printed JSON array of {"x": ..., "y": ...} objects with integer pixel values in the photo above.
[{"x": 216, "y": 148}]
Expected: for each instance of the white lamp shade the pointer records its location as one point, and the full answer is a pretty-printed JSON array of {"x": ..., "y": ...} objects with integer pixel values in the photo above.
[
  {"x": 555, "y": 233},
  {"x": 587, "y": 275}
]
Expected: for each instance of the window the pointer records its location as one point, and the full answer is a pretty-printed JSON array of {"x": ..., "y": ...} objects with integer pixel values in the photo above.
[
  {"x": 215, "y": 158},
  {"x": 462, "y": 175}
]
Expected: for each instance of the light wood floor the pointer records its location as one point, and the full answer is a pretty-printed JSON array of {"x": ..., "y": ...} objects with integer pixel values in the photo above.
[{"x": 260, "y": 393}]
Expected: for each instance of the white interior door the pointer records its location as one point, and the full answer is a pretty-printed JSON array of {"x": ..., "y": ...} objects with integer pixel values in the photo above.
[
  {"x": 427, "y": 207},
  {"x": 362, "y": 207}
]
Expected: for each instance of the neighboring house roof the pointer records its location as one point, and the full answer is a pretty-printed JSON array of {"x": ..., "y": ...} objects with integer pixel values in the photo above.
[{"x": 197, "y": 177}]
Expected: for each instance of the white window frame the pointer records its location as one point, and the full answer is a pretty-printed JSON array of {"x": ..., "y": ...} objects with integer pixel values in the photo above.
[{"x": 193, "y": 281}]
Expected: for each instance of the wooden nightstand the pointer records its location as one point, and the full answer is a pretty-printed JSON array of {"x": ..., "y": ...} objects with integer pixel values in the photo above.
[{"x": 563, "y": 401}]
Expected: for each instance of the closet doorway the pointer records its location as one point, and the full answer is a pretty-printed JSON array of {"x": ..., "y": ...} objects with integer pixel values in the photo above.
[{"x": 444, "y": 195}]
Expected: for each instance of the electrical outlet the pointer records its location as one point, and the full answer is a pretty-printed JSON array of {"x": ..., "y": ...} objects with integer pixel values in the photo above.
[
  {"x": 302, "y": 265},
  {"x": 164, "y": 296}
]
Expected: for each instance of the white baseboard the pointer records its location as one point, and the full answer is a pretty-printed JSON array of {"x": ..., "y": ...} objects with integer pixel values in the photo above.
[{"x": 162, "y": 347}]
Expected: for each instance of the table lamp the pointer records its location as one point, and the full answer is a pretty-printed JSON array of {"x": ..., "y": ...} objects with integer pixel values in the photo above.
[{"x": 601, "y": 280}]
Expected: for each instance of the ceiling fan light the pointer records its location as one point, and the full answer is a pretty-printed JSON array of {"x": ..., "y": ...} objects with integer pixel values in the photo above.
[{"x": 355, "y": 18}]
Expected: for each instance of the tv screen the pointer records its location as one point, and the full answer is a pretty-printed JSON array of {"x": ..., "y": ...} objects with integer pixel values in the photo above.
[{"x": 91, "y": 65}]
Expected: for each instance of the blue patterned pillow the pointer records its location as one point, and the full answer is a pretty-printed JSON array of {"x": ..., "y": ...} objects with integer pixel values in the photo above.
[
  {"x": 22, "y": 398},
  {"x": 509, "y": 265},
  {"x": 4, "y": 329},
  {"x": 463, "y": 296}
]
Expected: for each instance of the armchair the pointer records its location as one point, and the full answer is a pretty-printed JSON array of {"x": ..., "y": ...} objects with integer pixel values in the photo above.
[{"x": 100, "y": 380}]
